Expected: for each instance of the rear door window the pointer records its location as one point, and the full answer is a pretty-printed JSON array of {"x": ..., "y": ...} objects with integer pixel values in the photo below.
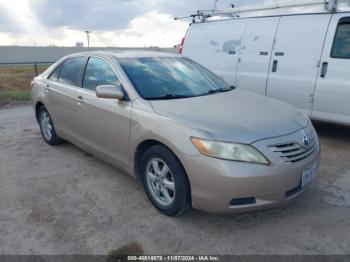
[
  {"x": 71, "y": 71},
  {"x": 54, "y": 75},
  {"x": 341, "y": 45}
]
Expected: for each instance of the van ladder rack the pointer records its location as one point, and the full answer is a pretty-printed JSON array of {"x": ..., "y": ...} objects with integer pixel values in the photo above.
[
  {"x": 203, "y": 15},
  {"x": 327, "y": 5}
]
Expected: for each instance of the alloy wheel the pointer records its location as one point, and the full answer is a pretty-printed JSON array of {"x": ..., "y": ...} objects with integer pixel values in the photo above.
[{"x": 160, "y": 182}]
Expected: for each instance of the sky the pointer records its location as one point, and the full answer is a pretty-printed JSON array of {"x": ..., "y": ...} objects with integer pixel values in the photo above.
[{"x": 121, "y": 23}]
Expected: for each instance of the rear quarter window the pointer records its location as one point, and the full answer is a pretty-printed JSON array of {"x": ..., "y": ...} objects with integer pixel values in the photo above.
[{"x": 55, "y": 74}]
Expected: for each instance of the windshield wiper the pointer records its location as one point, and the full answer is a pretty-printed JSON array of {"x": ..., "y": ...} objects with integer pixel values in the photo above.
[
  {"x": 167, "y": 97},
  {"x": 221, "y": 90}
]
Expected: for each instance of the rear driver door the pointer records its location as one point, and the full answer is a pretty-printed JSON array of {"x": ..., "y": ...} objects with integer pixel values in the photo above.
[
  {"x": 255, "y": 54},
  {"x": 296, "y": 59},
  {"x": 62, "y": 96}
]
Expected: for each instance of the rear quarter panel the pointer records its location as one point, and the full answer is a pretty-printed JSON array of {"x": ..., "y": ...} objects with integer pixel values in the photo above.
[{"x": 37, "y": 92}]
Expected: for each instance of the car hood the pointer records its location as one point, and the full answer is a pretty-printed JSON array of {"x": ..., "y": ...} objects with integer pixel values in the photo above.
[{"x": 235, "y": 116}]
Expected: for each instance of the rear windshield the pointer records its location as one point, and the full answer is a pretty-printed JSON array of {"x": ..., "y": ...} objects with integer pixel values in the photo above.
[{"x": 171, "y": 78}]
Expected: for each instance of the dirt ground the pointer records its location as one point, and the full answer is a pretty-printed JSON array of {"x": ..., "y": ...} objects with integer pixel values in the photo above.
[
  {"x": 61, "y": 200},
  {"x": 18, "y": 77},
  {"x": 15, "y": 81}
]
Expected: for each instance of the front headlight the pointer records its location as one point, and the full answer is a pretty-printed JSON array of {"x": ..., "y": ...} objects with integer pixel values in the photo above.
[{"x": 229, "y": 151}]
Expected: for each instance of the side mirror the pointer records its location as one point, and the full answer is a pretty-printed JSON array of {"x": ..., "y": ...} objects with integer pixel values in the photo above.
[{"x": 110, "y": 91}]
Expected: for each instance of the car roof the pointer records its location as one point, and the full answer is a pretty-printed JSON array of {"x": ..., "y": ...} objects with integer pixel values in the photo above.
[{"x": 128, "y": 54}]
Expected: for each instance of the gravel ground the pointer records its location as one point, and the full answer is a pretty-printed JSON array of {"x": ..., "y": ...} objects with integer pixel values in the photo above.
[{"x": 61, "y": 200}]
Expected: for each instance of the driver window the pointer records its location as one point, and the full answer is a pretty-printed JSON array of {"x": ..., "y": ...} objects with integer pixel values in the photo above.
[{"x": 99, "y": 72}]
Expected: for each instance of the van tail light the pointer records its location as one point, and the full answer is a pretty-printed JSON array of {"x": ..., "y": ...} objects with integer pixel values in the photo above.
[
  {"x": 31, "y": 84},
  {"x": 182, "y": 45}
]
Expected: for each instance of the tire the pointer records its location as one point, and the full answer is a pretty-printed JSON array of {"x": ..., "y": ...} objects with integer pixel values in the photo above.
[
  {"x": 173, "y": 184},
  {"x": 47, "y": 128}
]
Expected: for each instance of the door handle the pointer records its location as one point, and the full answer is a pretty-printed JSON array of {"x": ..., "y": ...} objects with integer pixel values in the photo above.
[
  {"x": 274, "y": 66},
  {"x": 324, "y": 69},
  {"x": 80, "y": 99},
  {"x": 47, "y": 88}
]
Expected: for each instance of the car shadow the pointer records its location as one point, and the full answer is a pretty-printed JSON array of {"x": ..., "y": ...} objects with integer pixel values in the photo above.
[
  {"x": 292, "y": 211},
  {"x": 332, "y": 131}
]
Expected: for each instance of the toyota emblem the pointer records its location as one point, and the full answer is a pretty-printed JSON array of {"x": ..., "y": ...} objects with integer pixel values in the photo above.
[{"x": 306, "y": 139}]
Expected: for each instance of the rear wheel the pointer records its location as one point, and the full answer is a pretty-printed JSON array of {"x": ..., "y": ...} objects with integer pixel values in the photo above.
[
  {"x": 165, "y": 181},
  {"x": 47, "y": 128}
]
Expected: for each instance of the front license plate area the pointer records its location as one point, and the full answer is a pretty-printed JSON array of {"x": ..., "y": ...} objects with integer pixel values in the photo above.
[{"x": 308, "y": 175}]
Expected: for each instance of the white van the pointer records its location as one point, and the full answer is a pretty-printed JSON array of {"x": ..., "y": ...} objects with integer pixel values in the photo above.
[{"x": 301, "y": 58}]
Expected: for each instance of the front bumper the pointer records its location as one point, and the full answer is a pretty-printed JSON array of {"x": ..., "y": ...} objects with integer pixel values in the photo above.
[{"x": 215, "y": 183}]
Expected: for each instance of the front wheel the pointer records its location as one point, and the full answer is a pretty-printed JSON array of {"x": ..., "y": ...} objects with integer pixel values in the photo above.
[{"x": 165, "y": 181}]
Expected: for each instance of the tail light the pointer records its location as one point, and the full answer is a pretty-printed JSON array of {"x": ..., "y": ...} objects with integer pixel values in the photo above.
[
  {"x": 182, "y": 45},
  {"x": 31, "y": 84}
]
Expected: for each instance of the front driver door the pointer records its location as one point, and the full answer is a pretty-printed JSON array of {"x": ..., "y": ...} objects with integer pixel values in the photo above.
[{"x": 104, "y": 123}]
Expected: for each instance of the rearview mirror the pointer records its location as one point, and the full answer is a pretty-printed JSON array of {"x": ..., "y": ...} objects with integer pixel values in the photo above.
[{"x": 110, "y": 91}]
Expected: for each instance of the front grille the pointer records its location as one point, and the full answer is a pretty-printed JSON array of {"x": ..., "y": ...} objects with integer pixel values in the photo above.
[{"x": 294, "y": 152}]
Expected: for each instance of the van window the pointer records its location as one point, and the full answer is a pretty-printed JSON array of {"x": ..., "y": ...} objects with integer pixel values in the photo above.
[
  {"x": 99, "y": 72},
  {"x": 70, "y": 72},
  {"x": 341, "y": 45}
]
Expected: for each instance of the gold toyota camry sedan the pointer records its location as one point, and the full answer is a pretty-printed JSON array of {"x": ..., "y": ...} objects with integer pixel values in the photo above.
[{"x": 193, "y": 140}]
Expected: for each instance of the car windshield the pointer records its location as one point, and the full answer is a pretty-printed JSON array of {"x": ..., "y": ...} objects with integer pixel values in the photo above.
[{"x": 158, "y": 78}]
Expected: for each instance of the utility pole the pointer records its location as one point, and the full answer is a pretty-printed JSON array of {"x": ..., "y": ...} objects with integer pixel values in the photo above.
[
  {"x": 215, "y": 7},
  {"x": 88, "y": 36}
]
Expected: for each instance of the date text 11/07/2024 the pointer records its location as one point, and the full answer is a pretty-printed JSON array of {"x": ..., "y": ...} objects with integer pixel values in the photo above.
[{"x": 173, "y": 258}]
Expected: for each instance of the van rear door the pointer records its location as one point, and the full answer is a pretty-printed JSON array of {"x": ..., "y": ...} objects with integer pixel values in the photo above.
[
  {"x": 296, "y": 58},
  {"x": 255, "y": 54},
  {"x": 332, "y": 96},
  {"x": 215, "y": 45}
]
